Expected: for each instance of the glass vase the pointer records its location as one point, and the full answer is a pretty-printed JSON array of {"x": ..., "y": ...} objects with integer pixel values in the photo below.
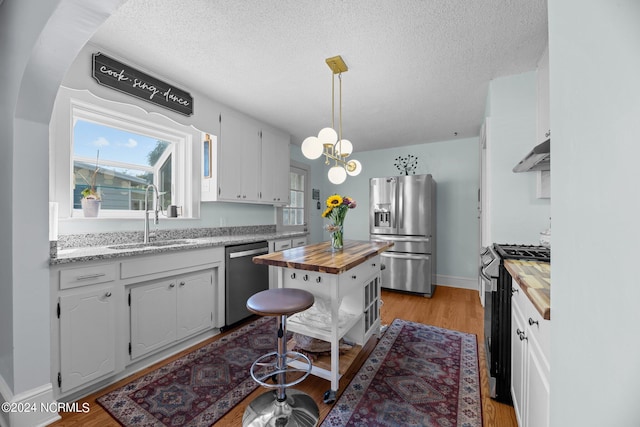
[{"x": 337, "y": 239}]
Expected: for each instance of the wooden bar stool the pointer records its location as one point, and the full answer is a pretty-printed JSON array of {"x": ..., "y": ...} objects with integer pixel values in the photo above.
[{"x": 281, "y": 407}]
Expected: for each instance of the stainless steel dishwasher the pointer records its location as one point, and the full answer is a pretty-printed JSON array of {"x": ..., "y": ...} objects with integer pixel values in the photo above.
[{"x": 243, "y": 278}]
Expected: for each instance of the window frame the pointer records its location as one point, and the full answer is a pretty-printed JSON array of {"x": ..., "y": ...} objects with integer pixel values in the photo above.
[
  {"x": 83, "y": 105},
  {"x": 307, "y": 200}
]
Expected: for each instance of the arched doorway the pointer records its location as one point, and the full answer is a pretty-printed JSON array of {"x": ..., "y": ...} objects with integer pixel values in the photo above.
[{"x": 46, "y": 38}]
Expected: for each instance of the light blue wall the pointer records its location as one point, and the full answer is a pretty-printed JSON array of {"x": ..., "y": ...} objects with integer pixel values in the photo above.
[
  {"x": 515, "y": 214},
  {"x": 594, "y": 58},
  {"x": 455, "y": 167}
]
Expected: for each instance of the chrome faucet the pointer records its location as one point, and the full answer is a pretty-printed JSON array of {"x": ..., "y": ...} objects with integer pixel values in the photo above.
[{"x": 146, "y": 210}]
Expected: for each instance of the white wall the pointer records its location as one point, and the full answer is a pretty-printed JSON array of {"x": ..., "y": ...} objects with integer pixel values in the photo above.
[
  {"x": 594, "y": 52},
  {"x": 514, "y": 213}
]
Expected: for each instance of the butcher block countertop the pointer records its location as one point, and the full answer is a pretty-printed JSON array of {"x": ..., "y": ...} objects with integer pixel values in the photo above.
[
  {"x": 321, "y": 258},
  {"x": 535, "y": 280}
]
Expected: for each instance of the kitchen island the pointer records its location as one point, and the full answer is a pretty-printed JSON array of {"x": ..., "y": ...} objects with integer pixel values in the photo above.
[{"x": 346, "y": 287}]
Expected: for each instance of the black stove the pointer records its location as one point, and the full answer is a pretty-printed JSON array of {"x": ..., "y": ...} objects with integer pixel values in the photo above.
[
  {"x": 524, "y": 252},
  {"x": 498, "y": 314}
]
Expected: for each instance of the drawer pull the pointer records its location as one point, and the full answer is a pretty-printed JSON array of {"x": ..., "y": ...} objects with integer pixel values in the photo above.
[
  {"x": 533, "y": 322},
  {"x": 181, "y": 283},
  {"x": 305, "y": 277},
  {"x": 90, "y": 276},
  {"x": 293, "y": 275},
  {"x": 318, "y": 279},
  {"x": 172, "y": 285},
  {"x": 514, "y": 291},
  {"x": 108, "y": 294}
]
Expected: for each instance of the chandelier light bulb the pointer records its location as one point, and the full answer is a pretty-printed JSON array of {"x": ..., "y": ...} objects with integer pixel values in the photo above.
[
  {"x": 345, "y": 147},
  {"x": 354, "y": 167},
  {"x": 337, "y": 175},
  {"x": 312, "y": 148},
  {"x": 327, "y": 136}
]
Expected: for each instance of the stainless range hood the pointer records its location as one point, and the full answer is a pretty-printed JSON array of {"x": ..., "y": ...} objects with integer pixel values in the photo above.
[{"x": 539, "y": 159}]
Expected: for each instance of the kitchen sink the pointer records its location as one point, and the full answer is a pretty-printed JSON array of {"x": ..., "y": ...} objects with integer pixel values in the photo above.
[{"x": 158, "y": 244}]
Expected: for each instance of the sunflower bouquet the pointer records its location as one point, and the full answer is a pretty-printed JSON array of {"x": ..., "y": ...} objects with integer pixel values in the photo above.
[{"x": 336, "y": 211}]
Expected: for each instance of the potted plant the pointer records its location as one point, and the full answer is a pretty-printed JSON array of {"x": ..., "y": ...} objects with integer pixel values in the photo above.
[{"x": 91, "y": 199}]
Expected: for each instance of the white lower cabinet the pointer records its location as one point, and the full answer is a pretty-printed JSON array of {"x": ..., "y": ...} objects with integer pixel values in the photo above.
[
  {"x": 153, "y": 316},
  {"x": 110, "y": 318},
  {"x": 169, "y": 310},
  {"x": 87, "y": 336},
  {"x": 196, "y": 302},
  {"x": 530, "y": 355}
]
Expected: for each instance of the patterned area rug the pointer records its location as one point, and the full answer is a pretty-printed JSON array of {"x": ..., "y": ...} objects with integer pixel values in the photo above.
[
  {"x": 418, "y": 375},
  {"x": 200, "y": 387}
]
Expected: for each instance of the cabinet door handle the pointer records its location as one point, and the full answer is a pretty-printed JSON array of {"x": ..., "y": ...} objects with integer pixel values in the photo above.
[
  {"x": 305, "y": 277},
  {"x": 519, "y": 332},
  {"x": 318, "y": 279},
  {"x": 514, "y": 291},
  {"x": 523, "y": 337},
  {"x": 354, "y": 277},
  {"x": 108, "y": 294},
  {"x": 181, "y": 283},
  {"x": 533, "y": 322},
  {"x": 293, "y": 275},
  {"x": 90, "y": 276},
  {"x": 172, "y": 285},
  {"x": 373, "y": 264}
]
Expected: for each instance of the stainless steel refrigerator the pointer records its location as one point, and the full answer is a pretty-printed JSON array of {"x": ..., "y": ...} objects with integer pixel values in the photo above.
[{"x": 403, "y": 211}]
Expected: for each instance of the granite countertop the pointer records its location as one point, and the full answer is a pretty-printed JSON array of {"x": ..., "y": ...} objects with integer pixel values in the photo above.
[
  {"x": 535, "y": 280},
  {"x": 321, "y": 258},
  {"x": 118, "y": 245}
]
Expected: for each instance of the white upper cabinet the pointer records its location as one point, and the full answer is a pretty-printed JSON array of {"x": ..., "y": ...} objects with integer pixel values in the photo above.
[
  {"x": 253, "y": 162},
  {"x": 239, "y": 158},
  {"x": 274, "y": 185}
]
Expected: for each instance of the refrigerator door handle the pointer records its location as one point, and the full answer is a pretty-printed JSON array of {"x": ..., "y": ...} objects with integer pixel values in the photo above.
[
  {"x": 396, "y": 238},
  {"x": 403, "y": 255},
  {"x": 400, "y": 206}
]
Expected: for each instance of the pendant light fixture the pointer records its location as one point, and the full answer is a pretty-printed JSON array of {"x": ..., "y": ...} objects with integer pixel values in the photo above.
[{"x": 329, "y": 142}]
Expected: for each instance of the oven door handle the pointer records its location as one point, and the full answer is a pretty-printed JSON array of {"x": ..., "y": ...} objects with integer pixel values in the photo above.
[{"x": 484, "y": 275}]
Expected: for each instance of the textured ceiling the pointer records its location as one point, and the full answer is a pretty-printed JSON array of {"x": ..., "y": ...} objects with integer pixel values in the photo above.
[{"x": 418, "y": 70}]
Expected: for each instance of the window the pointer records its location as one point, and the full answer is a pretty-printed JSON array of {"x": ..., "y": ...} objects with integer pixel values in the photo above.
[
  {"x": 120, "y": 156},
  {"x": 127, "y": 163},
  {"x": 295, "y": 215}
]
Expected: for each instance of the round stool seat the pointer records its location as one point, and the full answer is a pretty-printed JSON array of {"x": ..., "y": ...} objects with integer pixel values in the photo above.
[{"x": 280, "y": 302}]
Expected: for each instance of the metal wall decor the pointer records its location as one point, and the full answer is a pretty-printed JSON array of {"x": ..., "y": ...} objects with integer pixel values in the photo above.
[
  {"x": 406, "y": 165},
  {"x": 116, "y": 75}
]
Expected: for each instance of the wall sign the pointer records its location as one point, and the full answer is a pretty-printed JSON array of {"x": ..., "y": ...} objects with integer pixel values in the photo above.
[{"x": 116, "y": 75}]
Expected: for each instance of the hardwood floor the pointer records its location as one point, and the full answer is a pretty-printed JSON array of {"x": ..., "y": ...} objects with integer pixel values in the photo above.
[{"x": 450, "y": 308}]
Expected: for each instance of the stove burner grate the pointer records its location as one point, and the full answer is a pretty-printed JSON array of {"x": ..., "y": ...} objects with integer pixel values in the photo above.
[{"x": 525, "y": 252}]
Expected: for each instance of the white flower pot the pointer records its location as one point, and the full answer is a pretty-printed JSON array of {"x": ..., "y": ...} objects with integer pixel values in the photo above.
[{"x": 90, "y": 207}]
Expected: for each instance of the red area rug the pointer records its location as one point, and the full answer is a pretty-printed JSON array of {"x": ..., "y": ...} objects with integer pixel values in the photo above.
[
  {"x": 417, "y": 375},
  {"x": 200, "y": 387}
]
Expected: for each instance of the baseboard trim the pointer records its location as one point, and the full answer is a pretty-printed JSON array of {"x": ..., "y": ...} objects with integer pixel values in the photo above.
[
  {"x": 457, "y": 282},
  {"x": 42, "y": 407}
]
